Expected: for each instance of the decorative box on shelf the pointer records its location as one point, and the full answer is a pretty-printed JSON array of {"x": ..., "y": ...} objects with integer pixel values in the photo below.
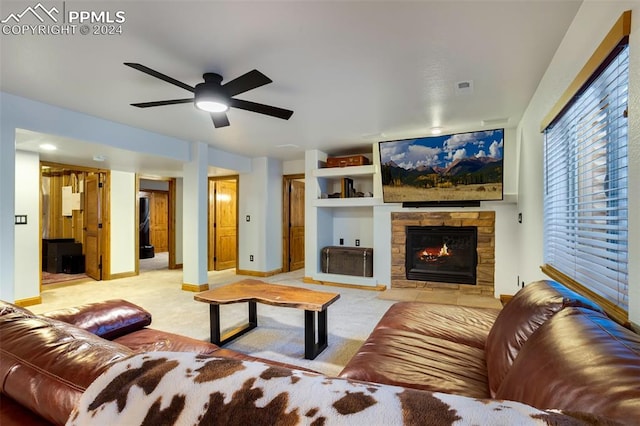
[{"x": 353, "y": 160}]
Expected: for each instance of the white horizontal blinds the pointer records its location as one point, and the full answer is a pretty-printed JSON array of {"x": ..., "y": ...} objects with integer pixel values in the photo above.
[{"x": 585, "y": 202}]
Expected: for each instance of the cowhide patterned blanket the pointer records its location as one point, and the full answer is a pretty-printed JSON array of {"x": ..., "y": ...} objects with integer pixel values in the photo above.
[{"x": 168, "y": 388}]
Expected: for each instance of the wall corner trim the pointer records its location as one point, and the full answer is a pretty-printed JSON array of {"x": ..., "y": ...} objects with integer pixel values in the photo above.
[
  {"x": 195, "y": 287},
  {"x": 29, "y": 301}
]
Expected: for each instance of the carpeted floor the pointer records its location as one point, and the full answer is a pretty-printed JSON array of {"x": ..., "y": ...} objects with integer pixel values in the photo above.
[
  {"x": 157, "y": 262},
  {"x": 280, "y": 332}
]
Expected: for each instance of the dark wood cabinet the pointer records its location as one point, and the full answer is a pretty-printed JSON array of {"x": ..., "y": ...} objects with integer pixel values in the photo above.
[{"x": 53, "y": 249}]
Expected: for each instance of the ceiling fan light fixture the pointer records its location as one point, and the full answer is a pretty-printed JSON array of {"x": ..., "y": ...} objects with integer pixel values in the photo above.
[
  {"x": 211, "y": 105},
  {"x": 209, "y": 96},
  {"x": 214, "y": 97}
]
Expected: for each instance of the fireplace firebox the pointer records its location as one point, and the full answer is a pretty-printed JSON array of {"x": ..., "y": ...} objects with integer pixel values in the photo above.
[{"x": 442, "y": 254}]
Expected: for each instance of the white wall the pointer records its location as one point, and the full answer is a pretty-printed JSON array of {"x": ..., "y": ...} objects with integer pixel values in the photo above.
[
  {"x": 27, "y": 239},
  {"x": 7, "y": 205},
  {"x": 293, "y": 167},
  {"x": 318, "y": 222},
  {"x": 123, "y": 218},
  {"x": 179, "y": 232},
  {"x": 260, "y": 197},
  {"x": 226, "y": 160},
  {"x": 351, "y": 224},
  {"x": 273, "y": 216},
  {"x": 195, "y": 202},
  {"x": 251, "y": 190},
  {"x": 591, "y": 24}
]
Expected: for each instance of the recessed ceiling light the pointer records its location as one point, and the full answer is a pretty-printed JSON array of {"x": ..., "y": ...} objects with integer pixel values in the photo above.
[
  {"x": 48, "y": 147},
  {"x": 99, "y": 157},
  {"x": 287, "y": 145},
  {"x": 436, "y": 130}
]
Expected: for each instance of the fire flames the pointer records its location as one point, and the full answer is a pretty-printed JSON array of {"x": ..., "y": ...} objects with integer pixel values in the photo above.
[{"x": 433, "y": 254}]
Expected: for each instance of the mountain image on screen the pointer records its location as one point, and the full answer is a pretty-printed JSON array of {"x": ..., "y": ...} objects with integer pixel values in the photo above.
[{"x": 460, "y": 167}]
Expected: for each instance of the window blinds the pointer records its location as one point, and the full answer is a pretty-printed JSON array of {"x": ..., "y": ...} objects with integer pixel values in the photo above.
[{"x": 585, "y": 186}]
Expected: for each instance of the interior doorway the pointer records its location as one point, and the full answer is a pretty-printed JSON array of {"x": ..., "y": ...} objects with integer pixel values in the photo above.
[
  {"x": 74, "y": 223},
  {"x": 292, "y": 222},
  {"x": 156, "y": 224},
  {"x": 223, "y": 223}
]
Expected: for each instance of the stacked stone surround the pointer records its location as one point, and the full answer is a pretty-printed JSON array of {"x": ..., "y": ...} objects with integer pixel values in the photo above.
[{"x": 483, "y": 220}]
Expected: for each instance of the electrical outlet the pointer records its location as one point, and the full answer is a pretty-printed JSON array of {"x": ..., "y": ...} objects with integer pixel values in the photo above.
[
  {"x": 248, "y": 218},
  {"x": 357, "y": 243},
  {"x": 341, "y": 241},
  {"x": 250, "y": 258}
]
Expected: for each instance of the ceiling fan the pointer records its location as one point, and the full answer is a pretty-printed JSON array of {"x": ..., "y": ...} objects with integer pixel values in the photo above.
[{"x": 216, "y": 98}]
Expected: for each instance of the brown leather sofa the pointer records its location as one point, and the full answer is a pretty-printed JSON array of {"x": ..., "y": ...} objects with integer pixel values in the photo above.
[
  {"x": 47, "y": 361},
  {"x": 549, "y": 348}
]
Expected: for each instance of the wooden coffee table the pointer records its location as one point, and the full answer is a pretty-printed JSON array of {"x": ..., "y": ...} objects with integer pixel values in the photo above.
[{"x": 252, "y": 291}]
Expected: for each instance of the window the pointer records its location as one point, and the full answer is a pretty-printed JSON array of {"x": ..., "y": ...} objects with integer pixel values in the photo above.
[{"x": 585, "y": 186}]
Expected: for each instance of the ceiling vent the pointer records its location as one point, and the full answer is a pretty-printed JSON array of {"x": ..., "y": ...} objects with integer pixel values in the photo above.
[
  {"x": 496, "y": 122},
  {"x": 464, "y": 87}
]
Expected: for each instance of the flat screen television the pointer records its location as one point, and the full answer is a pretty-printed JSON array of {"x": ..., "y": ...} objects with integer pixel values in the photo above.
[{"x": 462, "y": 168}]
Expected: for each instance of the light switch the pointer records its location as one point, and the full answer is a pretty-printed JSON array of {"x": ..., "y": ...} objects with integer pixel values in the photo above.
[{"x": 21, "y": 219}]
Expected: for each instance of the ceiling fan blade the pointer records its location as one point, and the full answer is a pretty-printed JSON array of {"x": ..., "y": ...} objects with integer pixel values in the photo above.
[
  {"x": 261, "y": 108},
  {"x": 162, "y": 103},
  {"x": 219, "y": 119},
  {"x": 161, "y": 76},
  {"x": 246, "y": 82}
]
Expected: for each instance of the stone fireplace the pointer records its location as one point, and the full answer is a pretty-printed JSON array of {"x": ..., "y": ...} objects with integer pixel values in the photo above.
[
  {"x": 441, "y": 253},
  {"x": 432, "y": 264}
]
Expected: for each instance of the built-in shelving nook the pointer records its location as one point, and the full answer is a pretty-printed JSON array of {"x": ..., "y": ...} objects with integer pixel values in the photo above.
[{"x": 330, "y": 218}]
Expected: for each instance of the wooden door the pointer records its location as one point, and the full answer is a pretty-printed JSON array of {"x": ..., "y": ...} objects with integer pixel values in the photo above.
[
  {"x": 211, "y": 226},
  {"x": 93, "y": 226},
  {"x": 296, "y": 225},
  {"x": 159, "y": 223},
  {"x": 225, "y": 225}
]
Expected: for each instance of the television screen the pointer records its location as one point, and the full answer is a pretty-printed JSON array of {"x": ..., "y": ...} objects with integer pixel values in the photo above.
[{"x": 444, "y": 168}]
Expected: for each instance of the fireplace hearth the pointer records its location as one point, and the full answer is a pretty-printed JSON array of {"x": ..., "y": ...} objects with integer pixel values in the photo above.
[{"x": 444, "y": 254}]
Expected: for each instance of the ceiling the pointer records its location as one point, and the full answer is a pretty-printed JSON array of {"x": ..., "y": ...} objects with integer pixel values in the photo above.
[{"x": 353, "y": 72}]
